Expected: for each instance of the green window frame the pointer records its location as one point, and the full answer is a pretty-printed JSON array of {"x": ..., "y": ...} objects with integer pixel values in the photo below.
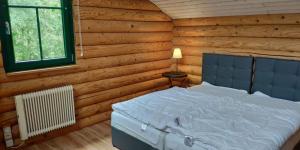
[{"x": 9, "y": 60}]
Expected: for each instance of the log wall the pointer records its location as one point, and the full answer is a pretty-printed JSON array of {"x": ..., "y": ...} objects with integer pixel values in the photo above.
[
  {"x": 259, "y": 35},
  {"x": 127, "y": 45}
]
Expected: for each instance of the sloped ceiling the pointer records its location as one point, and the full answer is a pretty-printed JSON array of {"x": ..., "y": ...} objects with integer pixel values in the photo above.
[{"x": 212, "y": 8}]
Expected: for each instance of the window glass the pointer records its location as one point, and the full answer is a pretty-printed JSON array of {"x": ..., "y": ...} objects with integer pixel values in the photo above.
[
  {"x": 47, "y": 3},
  {"x": 24, "y": 34},
  {"x": 52, "y": 34}
]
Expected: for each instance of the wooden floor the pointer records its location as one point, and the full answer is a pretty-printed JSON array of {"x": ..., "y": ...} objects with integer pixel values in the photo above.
[{"x": 97, "y": 137}]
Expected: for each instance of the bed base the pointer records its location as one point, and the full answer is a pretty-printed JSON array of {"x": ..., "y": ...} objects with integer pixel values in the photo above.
[{"x": 123, "y": 141}]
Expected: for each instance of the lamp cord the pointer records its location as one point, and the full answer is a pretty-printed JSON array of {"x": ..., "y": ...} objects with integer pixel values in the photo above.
[{"x": 176, "y": 65}]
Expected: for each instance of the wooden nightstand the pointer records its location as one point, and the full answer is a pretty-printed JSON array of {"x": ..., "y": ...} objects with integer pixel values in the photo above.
[{"x": 181, "y": 77}]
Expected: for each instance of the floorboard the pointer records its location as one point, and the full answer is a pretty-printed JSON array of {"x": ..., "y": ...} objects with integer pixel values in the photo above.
[{"x": 97, "y": 137}]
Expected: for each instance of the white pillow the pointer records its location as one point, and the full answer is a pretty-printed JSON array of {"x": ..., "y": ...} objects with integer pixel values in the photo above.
[
  {"x": 259, "y": 93},
  {"x": 208, "y": 85}
]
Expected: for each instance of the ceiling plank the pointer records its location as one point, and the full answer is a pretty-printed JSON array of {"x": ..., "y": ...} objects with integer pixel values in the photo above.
[{"x": 178, "y": 9}]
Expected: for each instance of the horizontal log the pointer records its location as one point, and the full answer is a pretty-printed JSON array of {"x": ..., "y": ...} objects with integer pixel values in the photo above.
[
  {"x": 105, "y": 26},
  {"x": 94, "y": 98},
  {"x": 191, "y": 60},
  {"x": 107, "y": 62},
  {"x": 7, "y": 104},
  {"x": 14, "y": 88},
  {"x": 189, "y": 69},
  {"x": 101, "y": 85},
  {"x": 93, "y": 109},
  {"x": 94, "y": 63},
  {"x": 288, "y": 31},
  {"x": 97, "y": 54},
  {"x": 94, "y": 13},
  {"x": 124, "y": 4},
  {"x": 194, "y": 79},
  {"x": 128, "y": 97},
  {"x": 112, "y": 50},
  {"x": 280, "y": 44},
  {"x": 191, "y": 51},
  {"x": 107, "y": 105},
  {"x": 123, "y": 49},
  {"x": 94, "y": 119},
  {"x": 241, "y": 20},
  {"x": 4, "y": 77},
  {"x": 92, "y": 39},
  {"x": 8, "y": 118},
  {"x": 239, "y": 51},
  {"x": 174, "y": 66}
]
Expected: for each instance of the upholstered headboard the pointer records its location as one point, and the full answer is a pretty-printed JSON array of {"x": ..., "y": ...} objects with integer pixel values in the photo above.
[
  {"x": 227, "y": 71},
  {"x": 277, "y": 78}
]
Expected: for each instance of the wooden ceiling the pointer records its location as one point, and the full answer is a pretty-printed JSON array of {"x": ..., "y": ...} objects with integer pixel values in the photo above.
[{"x": 212, "y": 8}]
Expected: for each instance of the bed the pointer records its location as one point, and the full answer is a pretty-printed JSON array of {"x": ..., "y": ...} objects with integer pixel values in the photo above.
[
  {"x": 279, "y": 79},
  {"x": 233, "y": 72}
]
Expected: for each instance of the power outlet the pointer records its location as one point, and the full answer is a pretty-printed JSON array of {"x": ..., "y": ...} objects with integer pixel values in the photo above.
[
  {"x": 8, "y": 136},
  {"x": 9, "y": 143}
]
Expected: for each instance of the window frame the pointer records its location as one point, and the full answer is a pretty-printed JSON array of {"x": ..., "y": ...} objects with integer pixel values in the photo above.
[{"x": 9, "y": 62}]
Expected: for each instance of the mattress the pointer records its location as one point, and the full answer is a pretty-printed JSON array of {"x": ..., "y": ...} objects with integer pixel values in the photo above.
[
  {"x": 138, "y": 130},
  {"x": 174, "y": 141}
]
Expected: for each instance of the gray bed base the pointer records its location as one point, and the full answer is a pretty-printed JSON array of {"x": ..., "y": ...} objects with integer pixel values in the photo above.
[{"x": 123, "y": 141}]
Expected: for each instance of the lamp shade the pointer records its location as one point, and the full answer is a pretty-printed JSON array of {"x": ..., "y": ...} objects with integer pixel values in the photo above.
[{"x": 177, "y": 53}]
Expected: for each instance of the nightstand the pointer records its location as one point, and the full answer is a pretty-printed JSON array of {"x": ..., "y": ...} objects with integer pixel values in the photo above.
[{"x": 181, "y": 77}]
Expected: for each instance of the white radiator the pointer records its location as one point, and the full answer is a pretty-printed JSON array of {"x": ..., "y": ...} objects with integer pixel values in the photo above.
[{"x": 44, "y": 111}]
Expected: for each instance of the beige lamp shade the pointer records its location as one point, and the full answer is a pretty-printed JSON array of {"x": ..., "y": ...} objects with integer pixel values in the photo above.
[{"x": 177, "y": 53}]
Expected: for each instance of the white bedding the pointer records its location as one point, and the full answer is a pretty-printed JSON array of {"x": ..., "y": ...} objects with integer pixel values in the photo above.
[
  {"x": 160, "y": 109},
  {"x": 147, "y": 134},
  {"x": 230, "y": 124},
  {"x": 221, "y": 118}
]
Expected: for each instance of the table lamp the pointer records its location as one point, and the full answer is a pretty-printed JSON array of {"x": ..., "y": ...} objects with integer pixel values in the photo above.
[{"x": 177, "y": 55}]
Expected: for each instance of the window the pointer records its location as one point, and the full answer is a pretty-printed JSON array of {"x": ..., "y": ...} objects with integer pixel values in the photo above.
[{"x": 36, "y": 34}]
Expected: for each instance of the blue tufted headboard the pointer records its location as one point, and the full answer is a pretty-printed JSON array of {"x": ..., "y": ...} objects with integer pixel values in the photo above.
[
  {"x": 227, "y": 71},
  {"x": 277, "y": 78}
]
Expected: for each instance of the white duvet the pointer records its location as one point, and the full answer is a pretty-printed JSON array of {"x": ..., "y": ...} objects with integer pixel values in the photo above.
[
  {"x": 217, "y": 118},
  {"x": 159, "y": 109},
  {"x": 223, "y": 124}
]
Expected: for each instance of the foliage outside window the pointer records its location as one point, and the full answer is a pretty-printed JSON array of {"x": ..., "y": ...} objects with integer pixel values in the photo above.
[{"x": 36, "y": 34}]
